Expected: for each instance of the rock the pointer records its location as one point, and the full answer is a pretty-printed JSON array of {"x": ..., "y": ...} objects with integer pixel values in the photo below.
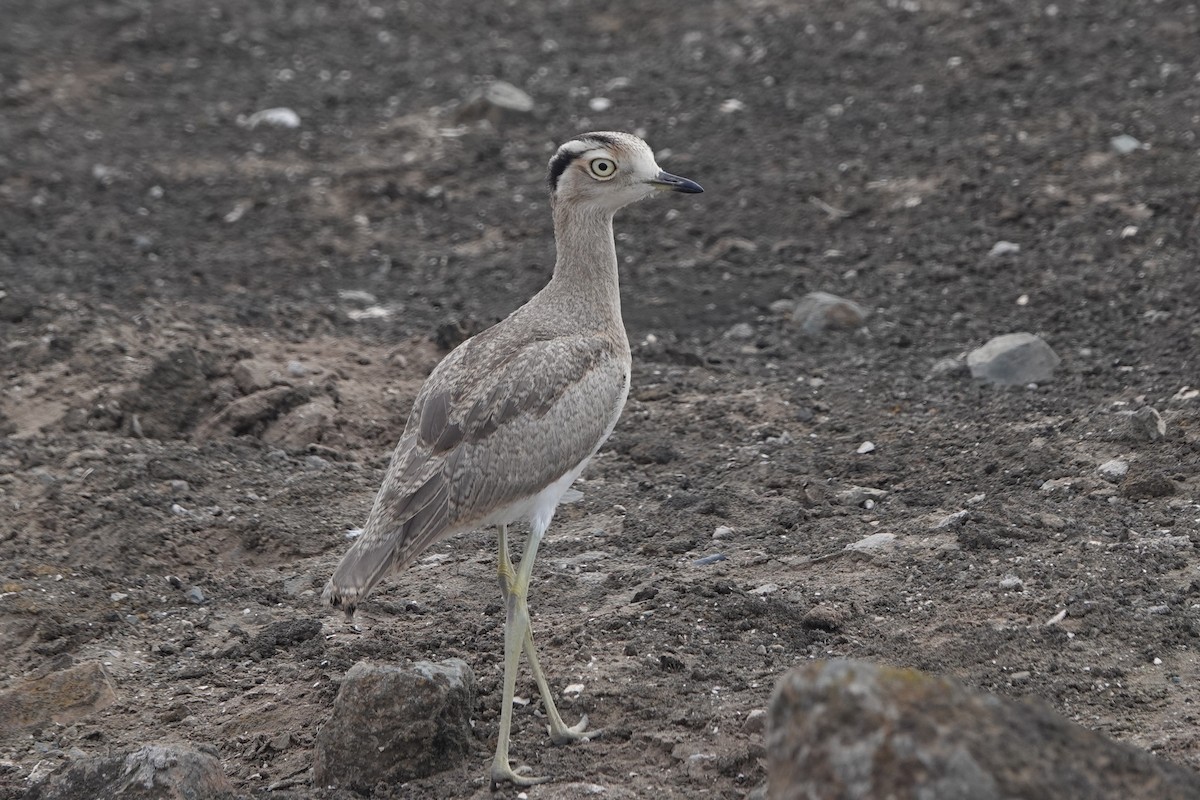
[
  {"x": 1011, "y": 583},
  {"x": 1114, "y": 470},
  {"x": 250, "y": 414},
  {"x": 874, "y": 542},
  {"x": 302, "y": 426},
  {"x": 1146, "y": 424},
  {"x": 857, "y": 495},
  {"x": 740, "y": 331},
  {"x": 395, "y": 724},
  {"x": 1013, "y": 359},
  {"x": 252, "y": 375},
  {"x": 1125, "y": 144},
  {"x": 823, "y": 618},
  {"x": 851, "y": 729},
  {"x": 820, "y": 311},
  {"x": 61, "y": 697},
  {"x": 951, "y": 521},
  {"x": 1003, "y": 248},
  {"x": 947, "y": 368},
  {"x": 273, "y": 117},
  {"x": 152, "y": 772},
  {"x": 1147, "y": 486},
  {"x": 168, "y": 399},
  {"x": 499, "y": 102},
  {"x": 756, "y": 721}
]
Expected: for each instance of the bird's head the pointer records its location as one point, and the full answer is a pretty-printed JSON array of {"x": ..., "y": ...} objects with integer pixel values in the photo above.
[{"x": 609, "y": 170}]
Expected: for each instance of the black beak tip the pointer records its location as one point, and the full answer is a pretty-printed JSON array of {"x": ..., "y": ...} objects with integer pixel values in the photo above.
[{"x": 675, "y": 183}]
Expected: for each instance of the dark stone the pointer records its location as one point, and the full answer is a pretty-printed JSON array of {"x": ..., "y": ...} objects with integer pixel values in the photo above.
[
  {"x": 395, "y": 724},
  {"x": 152, "y": 772},
  {"x": 850, "y": 729}
]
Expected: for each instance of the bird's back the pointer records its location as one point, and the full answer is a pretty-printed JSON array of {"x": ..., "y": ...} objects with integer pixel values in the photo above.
[{"x": 503, "y": 416}]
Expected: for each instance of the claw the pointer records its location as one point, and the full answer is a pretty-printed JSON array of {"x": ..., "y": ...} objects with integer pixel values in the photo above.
[
  {"x": 503, "y": 773},
  {"x": 576, "y": 733}
]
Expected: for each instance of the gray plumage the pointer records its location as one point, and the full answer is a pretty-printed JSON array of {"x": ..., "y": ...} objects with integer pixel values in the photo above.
[{"x": 509, "y": 419}]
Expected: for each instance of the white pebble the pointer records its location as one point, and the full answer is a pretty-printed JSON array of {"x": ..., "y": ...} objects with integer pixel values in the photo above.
[
  {"x": 865, "y": 447},
  {"x": 1003, "y": 248},
  {"x": 1125, "y": 144}
]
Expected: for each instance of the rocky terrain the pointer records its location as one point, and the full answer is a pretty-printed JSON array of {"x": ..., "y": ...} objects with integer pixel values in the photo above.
[{"x": 213, "y": 319}]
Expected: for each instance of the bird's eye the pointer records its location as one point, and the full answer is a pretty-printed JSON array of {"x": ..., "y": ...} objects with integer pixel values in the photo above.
[{"x": 602, "y": 168}]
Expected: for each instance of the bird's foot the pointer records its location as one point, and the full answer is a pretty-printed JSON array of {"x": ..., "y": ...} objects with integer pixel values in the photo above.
[
  {"x": 503, "y": 773},
  {"x": 575, "y": 733}
]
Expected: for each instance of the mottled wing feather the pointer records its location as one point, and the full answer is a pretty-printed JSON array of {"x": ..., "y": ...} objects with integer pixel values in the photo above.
[{"x": 487, "y": 429}]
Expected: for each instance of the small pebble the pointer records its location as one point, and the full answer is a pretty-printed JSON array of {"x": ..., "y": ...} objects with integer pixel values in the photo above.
[
  {"x": 756, "y": 720},
  {"x": 1114, "y": 470},
  {"x": 296, "y": 369},
  {"x": 1147, "y": 424},
  {"x": 275, "y": 117},
  {"x": 860, "y": 495},
  {"x": 954, "y": 520},
  {"x": 194, "y": 595},
  {"x": 117, "y": 597},
  {"x": 740, "y": 331},
  {"x": 1124, "y": 144},
  {"x": 712, "y": 559},
  {"x": 865, "y": 447},
  {"x": 1003, "y": 248},
  {"x": 1013, "y": 359},
  {"x": 820, "y": 311},
  {"x": 876, "y": 541},
  {"x": 1011, "y": 583},
  {"x": 722, "y": 532}
]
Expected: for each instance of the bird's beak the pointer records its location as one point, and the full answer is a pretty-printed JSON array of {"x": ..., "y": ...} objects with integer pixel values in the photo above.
[{"x": 666, "y": 182}]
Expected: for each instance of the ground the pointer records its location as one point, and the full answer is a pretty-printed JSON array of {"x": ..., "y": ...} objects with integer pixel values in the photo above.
[{"x": 211, "y": 331}]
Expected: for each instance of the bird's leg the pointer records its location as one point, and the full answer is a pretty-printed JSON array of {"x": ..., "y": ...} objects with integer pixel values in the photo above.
[
  {"x": 518, "y": 636},
  {"x": 516, "y": 632},
  {"x": 560, "y": 732}
]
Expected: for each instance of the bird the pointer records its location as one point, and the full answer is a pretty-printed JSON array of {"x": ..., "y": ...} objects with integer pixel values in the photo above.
[{"x": 509, "y": 419}]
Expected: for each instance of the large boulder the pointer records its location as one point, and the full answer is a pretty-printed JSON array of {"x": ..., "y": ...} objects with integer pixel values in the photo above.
[
  {"x": 850, "y": 730},
  {"x": 396, "y": 724},
  {"x": 152, "y": 772}
]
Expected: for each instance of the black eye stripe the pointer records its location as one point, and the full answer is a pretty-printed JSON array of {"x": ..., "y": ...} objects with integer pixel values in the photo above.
[{"x": 558, "y": 165}]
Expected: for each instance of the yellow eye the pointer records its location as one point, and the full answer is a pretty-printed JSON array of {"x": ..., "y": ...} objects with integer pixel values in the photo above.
[{"x": 602, "y": 168}]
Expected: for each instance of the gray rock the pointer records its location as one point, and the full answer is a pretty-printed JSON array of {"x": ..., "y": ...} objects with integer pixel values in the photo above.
[
  {"x": 498, "y": 102},
  {"x": 1013, "y": 359},
  {"x": 396, "y": 724},
  {"x": 947, "y": 368},
  {"x": 1114, "y": 470},
  {"x": 152, "y": 772},
  {"x": 1146, "y": 424},
  {"x": 872, "y": 543},
  {"x": 302, "y": 426},
  {"x": 951, "y": 521},
  {"x": 253, "y": 375},
  {"x": 854, "y": 730},
  {"x": 820, "y": 311}
]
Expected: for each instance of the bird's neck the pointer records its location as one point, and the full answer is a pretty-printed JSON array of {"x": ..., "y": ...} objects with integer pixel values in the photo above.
[{"x": 585, "y": 281}]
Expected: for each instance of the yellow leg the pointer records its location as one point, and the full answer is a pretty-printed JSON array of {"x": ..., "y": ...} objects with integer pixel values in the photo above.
[{"x": 514, "y": 587}]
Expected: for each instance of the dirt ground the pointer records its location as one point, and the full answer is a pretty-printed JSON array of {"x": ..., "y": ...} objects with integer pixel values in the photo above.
[{"x": 210, "y": 332}]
